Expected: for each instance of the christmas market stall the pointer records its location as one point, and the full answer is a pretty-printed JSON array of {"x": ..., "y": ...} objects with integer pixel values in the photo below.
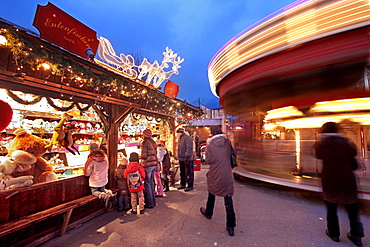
[{"x": 45, "y": 87}]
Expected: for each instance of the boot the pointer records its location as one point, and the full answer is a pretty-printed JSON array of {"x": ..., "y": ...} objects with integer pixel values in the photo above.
[{"x": 166, "y": 186}]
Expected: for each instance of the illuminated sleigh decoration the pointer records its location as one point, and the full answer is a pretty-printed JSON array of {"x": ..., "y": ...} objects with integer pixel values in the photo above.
[{"x": 126, "y": 64}]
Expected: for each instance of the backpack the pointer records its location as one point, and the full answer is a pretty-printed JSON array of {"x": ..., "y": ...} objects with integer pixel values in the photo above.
[{"x": 134, "y": 180}]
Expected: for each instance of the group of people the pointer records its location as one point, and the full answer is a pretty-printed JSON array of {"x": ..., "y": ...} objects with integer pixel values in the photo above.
[
  {"x": 338, "y": 180},
  {"x": 141, "y": 182},
  {"x": 144, "y": 181}
]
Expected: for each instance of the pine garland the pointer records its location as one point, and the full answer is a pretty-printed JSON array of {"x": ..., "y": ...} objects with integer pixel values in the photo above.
[
  {"x": 51, "y": 103},
  {"x": 36, "y": 100}
]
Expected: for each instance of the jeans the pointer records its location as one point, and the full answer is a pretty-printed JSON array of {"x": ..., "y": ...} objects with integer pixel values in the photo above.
[
  {"x": 186, "y": 173},
  {"x": 357, "y": 229},
  {"x": 230, "y": 214},
  {"x": 123, "y": 202},
  {"x": 149, "y": 186},
  {"x": 96, "y": 191}
]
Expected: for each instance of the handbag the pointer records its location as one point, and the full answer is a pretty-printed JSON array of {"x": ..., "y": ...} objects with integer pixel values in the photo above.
[
  {"x": 354, "y": 164},
  {"x": 233, "y": 160}
]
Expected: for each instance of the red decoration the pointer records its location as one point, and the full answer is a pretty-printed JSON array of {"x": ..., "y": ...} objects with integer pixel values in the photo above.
[
  {"x": 171, "y": 89},
  {"x": 62, "y": 29},
  {"x": 6, "y": 115}
]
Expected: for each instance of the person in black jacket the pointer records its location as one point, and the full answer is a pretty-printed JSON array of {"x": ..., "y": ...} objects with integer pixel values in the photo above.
[
  {"x": 338, "y": 181},
  {"x": 185, "y": 157}
]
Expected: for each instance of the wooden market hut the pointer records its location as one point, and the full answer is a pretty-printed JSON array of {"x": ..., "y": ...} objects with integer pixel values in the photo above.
[{"x": 35, "y": 214}]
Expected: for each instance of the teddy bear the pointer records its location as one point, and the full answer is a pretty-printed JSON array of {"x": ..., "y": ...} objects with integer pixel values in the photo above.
[
  {"x": 19, "y": 160},
  {"x": 41, "y": 170}
]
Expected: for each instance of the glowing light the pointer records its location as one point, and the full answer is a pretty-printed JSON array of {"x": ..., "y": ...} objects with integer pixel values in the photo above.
[
  {"x": 342, "y": 105},
  {"x": 3, "y": 40},
  {"x": 288, "y": 27},
  {"x": 125, "y": 64},
  {"x": 45, "y": 66},
  {"x": 298, "y": 149},
  {"x": 285, "y": 112}
]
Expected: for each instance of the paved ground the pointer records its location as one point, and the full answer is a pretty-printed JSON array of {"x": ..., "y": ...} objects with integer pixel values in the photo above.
[{"x": 267, "y": 215}]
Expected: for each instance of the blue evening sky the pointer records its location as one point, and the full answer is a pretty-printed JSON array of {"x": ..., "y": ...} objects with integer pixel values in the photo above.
[{"x": 195, "y": 29}]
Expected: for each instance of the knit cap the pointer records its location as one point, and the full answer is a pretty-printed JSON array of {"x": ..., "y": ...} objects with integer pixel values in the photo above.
[
  {"x": 180, "y": 130},
  {"x": 134, "y": 157},
  {"x": 147, "y": 133}
]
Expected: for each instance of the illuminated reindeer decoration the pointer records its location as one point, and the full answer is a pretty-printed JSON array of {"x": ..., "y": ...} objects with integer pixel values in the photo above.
[{"x": 155, "y": 73}]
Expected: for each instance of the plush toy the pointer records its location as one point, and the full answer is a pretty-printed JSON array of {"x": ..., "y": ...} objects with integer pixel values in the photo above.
[
  {"x": 59, "y": 134},
  {"x": 19, "y": 161},
  {"x": 41, "y": 170},
  {"x": 68, "y": 141}
]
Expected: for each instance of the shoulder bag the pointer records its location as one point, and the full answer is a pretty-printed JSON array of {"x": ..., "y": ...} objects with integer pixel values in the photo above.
[{"x": 233, "y": 157}]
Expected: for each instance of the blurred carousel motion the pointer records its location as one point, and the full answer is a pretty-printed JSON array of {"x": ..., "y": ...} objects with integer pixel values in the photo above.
[{"x": 286, "y": 75}]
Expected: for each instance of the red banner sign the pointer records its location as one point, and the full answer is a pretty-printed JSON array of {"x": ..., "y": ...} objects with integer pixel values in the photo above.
[
  {"x": 171, "y": 89},
  {"x": 63, "y": 30}
]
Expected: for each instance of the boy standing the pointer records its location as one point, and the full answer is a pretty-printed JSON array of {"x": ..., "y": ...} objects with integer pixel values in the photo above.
[
  {"x": 123, "y": 193},
  {"x": 135, "y": 176}
]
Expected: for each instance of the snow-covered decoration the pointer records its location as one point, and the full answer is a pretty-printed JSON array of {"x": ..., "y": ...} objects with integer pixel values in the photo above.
[{"x": 154, "y": 72}]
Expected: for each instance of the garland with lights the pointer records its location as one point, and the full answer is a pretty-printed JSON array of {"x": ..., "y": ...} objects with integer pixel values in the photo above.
[
  {"x": 27, "y": 52},
  {"x": 36, "y": 100},
  {"x": 49, "y": 100}
]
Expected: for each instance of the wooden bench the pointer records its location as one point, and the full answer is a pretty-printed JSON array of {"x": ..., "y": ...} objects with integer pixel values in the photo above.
[{"x": 25, "y": 221}]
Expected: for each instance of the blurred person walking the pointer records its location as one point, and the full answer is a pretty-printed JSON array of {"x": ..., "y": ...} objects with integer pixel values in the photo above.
[
  {"x": 338, "y": 181},
  {"x": 220, "y": 179}
]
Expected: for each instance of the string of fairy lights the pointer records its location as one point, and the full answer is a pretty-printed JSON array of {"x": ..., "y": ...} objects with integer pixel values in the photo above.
[{"x": 28, "y": 53}]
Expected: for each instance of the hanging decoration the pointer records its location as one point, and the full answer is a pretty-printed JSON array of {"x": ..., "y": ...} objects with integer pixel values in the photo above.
[
  {"x": 154, "y": 73},
  {"x": 48, "y": 99},
  {"x": 36, "y": 100}
]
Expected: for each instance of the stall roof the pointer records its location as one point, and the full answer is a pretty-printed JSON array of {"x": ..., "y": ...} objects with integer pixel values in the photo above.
[
  {"x": 206, "y": 122},
  {"x": 72, "y": 76}
]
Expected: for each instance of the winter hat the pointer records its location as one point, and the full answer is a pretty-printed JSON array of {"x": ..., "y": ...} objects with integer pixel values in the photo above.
[
  {"x": 134, "y": 157},
  {"x": 180, "y": 130},
  {"x": 330, "y": 127},
  {"x": 94, "y": 147},
  {"x": 216, "y": 130},
  {"x": 147, "y": 133}
]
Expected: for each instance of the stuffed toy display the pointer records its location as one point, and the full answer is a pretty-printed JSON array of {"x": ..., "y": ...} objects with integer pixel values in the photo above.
[
  {"x": 40, "y": 169},
  {"x": 59, "y": 132},
  {"x": 20, "y": 160}
]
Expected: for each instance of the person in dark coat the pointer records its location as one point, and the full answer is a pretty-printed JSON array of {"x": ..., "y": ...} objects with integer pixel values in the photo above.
[
  {"x": 220, "y": 179},
  {"x": 123, "y": 193},
  {"x": 185, "y": 157},
  {"x": 149, "y": 157},
  {"x": 338, "y": 181},
  {"x": 164, "y": 158}
]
